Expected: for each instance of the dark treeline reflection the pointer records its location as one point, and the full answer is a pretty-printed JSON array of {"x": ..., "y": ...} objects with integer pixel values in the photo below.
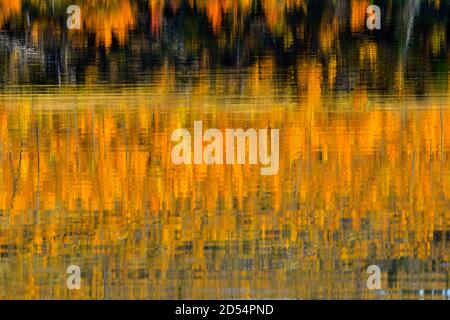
[{"x": 124, "y": 41}]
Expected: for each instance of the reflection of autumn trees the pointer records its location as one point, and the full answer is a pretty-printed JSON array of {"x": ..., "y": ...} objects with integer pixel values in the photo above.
[
  {"x": 358, "y": 14},
  {"x": 89, "y": 177},
  {"x": 8, "y": 8},
  {"x": 106, "y": 18},
  {"x": 116, "y": 18},
  {"x": 86, "y": 177}
]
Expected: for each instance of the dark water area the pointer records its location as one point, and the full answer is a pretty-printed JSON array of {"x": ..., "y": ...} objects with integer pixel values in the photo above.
[{"x": 128, "y": 42}]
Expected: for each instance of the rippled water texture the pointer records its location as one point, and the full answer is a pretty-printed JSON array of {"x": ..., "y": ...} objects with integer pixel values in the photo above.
[{"x": 86, "y": 176}]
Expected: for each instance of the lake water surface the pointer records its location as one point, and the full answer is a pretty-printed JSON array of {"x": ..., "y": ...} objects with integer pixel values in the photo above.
[{"x": 86, "y": 176}]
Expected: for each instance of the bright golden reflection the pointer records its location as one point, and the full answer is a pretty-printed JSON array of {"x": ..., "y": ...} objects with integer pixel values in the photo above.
[{"x": 89, "y": 182}]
